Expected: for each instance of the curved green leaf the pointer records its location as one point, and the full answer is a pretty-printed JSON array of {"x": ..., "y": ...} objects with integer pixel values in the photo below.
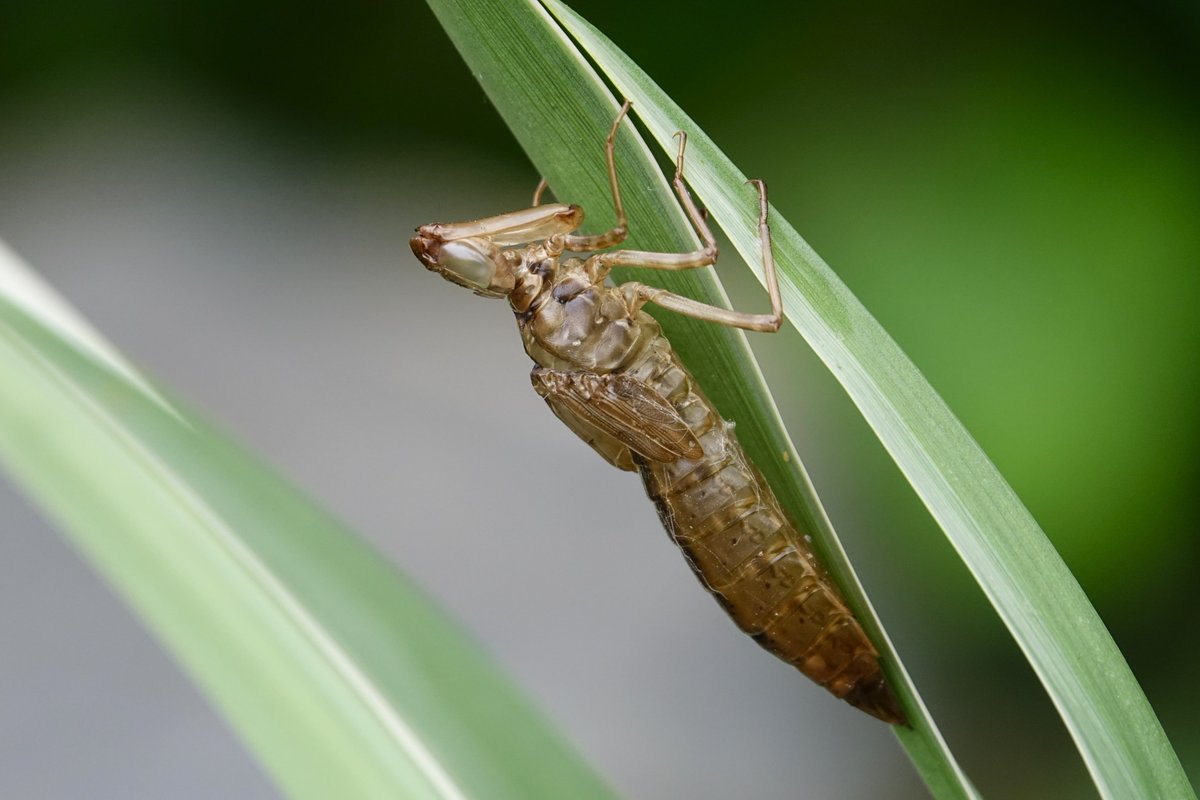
[
  {"x": 340, "y": 676},
  {"x": 1022, "y": 575}
]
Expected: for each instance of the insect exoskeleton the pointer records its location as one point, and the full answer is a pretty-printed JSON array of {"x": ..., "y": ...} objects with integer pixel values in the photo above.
[{"x": 605, "y": 369}]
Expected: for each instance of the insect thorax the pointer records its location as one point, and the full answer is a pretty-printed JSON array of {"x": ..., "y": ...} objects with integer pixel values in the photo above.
[{"x": 577, "y": 323}]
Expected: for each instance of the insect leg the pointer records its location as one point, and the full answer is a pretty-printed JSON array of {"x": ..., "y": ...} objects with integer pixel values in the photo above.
[
  {"x": 581, "y": 244},
  {"x": 515, "y": 227},
  {"x": 537, "y": 193},
  {"x": 669, "y": 261},
  {"x": 638, "y": 294}
]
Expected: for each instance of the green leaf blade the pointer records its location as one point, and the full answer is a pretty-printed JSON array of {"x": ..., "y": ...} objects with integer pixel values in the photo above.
[
  {"x": 336, "y": 672},
  {"x": 1024, "y": 578}
]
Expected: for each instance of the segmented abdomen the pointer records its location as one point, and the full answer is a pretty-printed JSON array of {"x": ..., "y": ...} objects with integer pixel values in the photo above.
[{"x": 741, "y": 545}]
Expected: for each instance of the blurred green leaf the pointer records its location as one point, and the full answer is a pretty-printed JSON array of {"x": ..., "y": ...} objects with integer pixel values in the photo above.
[
  {"x": 342, "y": 678},
  {"x": 1026, "y": 581}
]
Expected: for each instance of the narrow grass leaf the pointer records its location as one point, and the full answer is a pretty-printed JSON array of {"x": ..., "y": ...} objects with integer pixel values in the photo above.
[
  {"x": 335, "y": 671},
  {"x": 1028, "y": 584}
]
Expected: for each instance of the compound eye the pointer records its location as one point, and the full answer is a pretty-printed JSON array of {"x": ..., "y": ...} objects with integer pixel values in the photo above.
[{"x": 471, "y": 261}]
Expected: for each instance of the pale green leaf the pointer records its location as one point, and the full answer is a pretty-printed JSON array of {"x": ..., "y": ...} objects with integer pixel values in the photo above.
[{"x": 334, "y": 670}]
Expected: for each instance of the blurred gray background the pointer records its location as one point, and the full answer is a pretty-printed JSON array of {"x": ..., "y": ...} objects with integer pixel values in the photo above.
[{"x": 226, "y": 190}]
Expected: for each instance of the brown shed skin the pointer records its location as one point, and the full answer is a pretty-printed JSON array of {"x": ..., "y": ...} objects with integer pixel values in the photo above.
[
  {"x": 606, "y": 370},
  {"x": 717, "y": 508}
]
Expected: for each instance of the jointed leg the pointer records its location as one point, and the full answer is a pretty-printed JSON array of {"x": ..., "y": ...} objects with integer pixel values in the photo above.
[
  {"x": 699, "y": 218},
  {"x": 537, "y": 193},
  {"x": 670, "y": 261},
  {"x": 583, "y": 244},
  {"x": 638, "y": 293}
]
